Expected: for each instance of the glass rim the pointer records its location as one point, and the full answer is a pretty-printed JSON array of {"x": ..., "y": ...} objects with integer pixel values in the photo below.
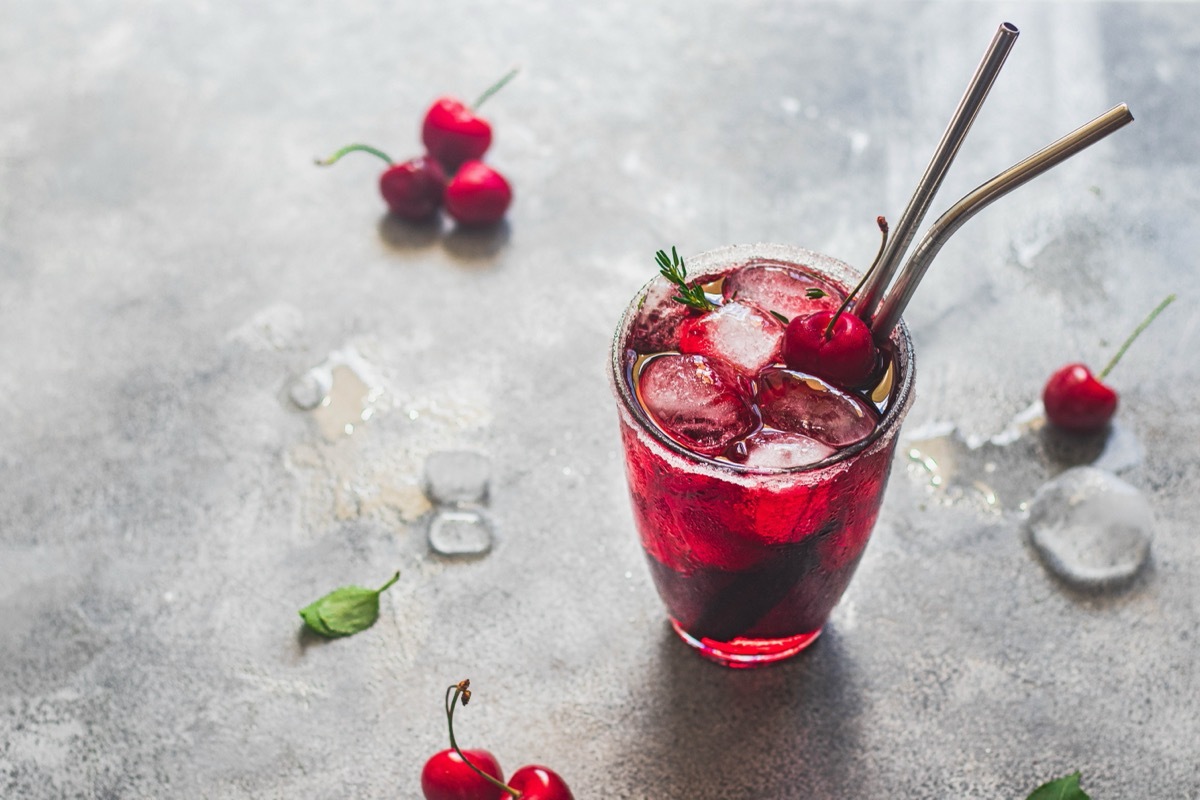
[{"x": 732, "y": 255}]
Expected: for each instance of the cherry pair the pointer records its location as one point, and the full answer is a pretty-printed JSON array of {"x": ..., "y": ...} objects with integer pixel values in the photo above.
[
  {"x": 451, "y": 173},
  {"x": 455, "y": 774}
]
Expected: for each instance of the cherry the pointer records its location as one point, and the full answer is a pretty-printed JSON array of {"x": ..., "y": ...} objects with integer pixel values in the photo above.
[
  {"x": 836, "y": 347},
  {"x": 477, "y": 195},
  {"x": 833, "y": 345},
  {"x": 447, "y": 776},
  {"x": 1075, "y": 400},
  {"x": 413, "y": 190},
  {"x": 539, "y": 783},
  {"x": 452, "y": 131},
  {"x": 530, "y": 782}
]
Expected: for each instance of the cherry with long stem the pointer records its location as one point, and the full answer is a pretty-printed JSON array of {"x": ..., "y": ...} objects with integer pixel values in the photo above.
[
  {"x": 462, "y": 691},
  {"x": 883, "y": 229}
]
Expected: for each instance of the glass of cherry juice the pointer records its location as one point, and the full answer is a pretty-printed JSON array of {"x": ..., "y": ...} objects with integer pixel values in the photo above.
[{"x": 754, "y": 487}]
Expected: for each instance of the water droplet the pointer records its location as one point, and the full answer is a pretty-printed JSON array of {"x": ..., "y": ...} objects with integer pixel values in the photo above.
[
  {"x": 1001, "y": 472},
  {"x": 456, "y": 532},
  {"x": 1091, "y": 528},
  {"x": 341, "y": 392},
  {"x": 312, "y": 388}
]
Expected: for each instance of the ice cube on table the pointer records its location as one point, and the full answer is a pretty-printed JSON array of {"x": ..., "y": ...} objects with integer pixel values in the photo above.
[
  {"x": 799, "y": 403},
  {"x": 460, "y": 532},
  {"x": 455, "y": 477},
  {"x": 739, "y": 334},
  {"x": 695, "y": 401},
  {"x": 1090, "y": 528},
  {"x": 769, "y": 449},
  {"x": 781, "y": 288}
]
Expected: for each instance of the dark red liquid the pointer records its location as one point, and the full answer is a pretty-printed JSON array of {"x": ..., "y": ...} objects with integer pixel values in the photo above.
[{"x": 749, "y": 564}]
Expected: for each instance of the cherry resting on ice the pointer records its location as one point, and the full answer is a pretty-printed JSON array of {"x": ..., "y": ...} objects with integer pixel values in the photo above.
[
  {"x": 837, "y": 347},
  {"x": 531, "y": 782},
  {"x": 834, "y": 345},
  {"x": 1075, "y": 400}
]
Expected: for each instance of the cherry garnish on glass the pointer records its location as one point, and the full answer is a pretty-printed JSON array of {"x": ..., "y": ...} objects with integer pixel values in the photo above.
[{"x": 834, "y": 345}]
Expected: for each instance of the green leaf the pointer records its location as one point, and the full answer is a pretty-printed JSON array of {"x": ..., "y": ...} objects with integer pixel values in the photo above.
[
  {"x": 312, "y": 618},
  {"x": 813, "y": 293},
  {"x": 779, "y": 317},
  {"x": 1066, "y": 788},
  {"x": 345, "y": 611}
]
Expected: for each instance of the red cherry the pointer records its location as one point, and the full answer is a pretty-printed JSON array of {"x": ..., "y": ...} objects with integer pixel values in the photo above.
[
  {"x": 477, "y": 195},
  {"x": 539, "y": 783},
  {"x": 413, "y": 190},
  {"x": 454, "y": 134},
  {"x": 846, "y": 358},
  {"x": 447, "y": 777},
  {"x": 1076, "y": 401}
]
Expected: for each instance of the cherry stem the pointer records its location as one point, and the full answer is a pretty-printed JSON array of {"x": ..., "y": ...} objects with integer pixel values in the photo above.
[
  {"x": 1137, "y": 332},
  {"x": 495, "y": 87},
  {"x": 883, "y": 228},
  {"x": 451, "y": 702},
  {"x": 350, "y": 148}
]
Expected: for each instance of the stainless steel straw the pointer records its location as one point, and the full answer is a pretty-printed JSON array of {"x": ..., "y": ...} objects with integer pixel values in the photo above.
[
  {"x": 904, "y": 231},
  {"x": 983, "y": 195}
]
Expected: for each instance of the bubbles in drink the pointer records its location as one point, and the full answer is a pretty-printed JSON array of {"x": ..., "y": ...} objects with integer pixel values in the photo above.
[
  {"x": 1091, "y": 529},
  {"x": 457, "y": 477},
  {"x": 742, "y": 335},
  {"x": 770, "y": 449},
  {"x": 696, "y": 401},
  {"x": 781, "y": 288},
  {"x": 460, "y": 532},
  {"x": 798, "y": 403}
]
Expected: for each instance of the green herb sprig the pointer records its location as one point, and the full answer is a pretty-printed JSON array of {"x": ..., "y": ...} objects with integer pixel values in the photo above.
[
  {"x": 674, "y": 270},
  {"x": 345, "y": 611}
]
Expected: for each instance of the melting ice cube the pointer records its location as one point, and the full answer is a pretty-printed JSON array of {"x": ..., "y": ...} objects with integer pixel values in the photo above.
[
  {"x": 769, "y": 449},
  {"x": 1091, "y": 528},
  {"x": 454, "y": 477},
  {"x": 695, "y": 401},
  {"x": 656, "y": 327},
  {"x": 457, "y": 532},
  {"x": 781, "y": 288},
  {"x": 796, "y": 402},
  {"x": 737, "y": 333}
]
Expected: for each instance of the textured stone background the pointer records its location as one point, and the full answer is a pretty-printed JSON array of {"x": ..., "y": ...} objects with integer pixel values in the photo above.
[{"x": 171, "y": 261}]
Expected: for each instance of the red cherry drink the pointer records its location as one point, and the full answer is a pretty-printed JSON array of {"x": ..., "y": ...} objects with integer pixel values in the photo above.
[{"x": 754, "y": 487}]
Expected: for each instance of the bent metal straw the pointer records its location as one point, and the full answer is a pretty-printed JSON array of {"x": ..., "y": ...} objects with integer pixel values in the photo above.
[{"x": 982, "y": 196}]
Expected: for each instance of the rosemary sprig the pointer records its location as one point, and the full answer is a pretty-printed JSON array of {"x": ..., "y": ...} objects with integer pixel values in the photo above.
[{"x": 674, "y": 270}]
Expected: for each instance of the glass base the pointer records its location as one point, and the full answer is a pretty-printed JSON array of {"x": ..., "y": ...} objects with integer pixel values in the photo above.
[{"x": 742, "y": 653}]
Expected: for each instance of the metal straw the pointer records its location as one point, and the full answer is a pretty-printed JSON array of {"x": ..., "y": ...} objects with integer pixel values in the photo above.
[
  {"x": 904, "y": 231},
  {"x": 981, "y": 197}
]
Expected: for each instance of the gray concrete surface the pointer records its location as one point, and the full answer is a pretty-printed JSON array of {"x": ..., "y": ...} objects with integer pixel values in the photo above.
[{"x": 171, "y": 262}]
